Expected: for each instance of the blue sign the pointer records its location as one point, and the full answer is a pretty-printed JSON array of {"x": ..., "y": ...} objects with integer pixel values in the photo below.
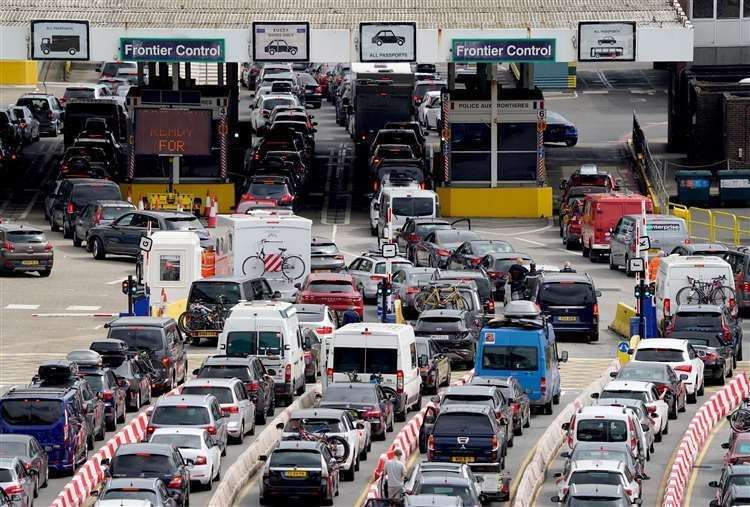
[
  {"x": 503, "y": 50},
  {"x": 137, "y": 49},
  {"x": 623, "y": 347}
]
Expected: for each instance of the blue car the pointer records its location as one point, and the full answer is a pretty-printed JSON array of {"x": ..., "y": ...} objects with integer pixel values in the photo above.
[
  {"x": 560, "y": 130},
  {"x": 569, "y": 300},
  {"x": 522, "y": 344}
]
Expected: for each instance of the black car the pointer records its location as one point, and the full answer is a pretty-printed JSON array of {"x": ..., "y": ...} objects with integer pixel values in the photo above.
[
  {"x": 73, "y": 195},
  {"x": 560, "y": 130},
  {"x": 130, "y": 371},
  {"x": 154, "y": 491},
  {"x": 310, "y": 90},
  {"x": 437, "y": 369},
  {"x": 280, "y": 46},
  {"x": 97, "y": 213},
  {"x": 96, "y": 158},
  {"x": 278, "y": 189},
  {"x": 731, "y": 475},
  {"x": 452, "y": 333},
  {"x": 250, "y": 370},
  {"x": 31, "y": 453},
  {"x": 325, "y": 255},
  {"x": 373, "y": 403},
  {"x": 123, "y": 235},
  {"x": 481, "y": 395},
  {"x": 111, "y": 390},
  {"x": 469, "y": 255},
  {"x": 570, "y": 301},
  {"x": 496, "y": 266},
  {"x": 46, "y": 109},
  {"x": 162, "y": 343},
  {"x": 516, "y": 396},
  {"x": 478, "y": 277},
  {"x": 148, "y": 460}
]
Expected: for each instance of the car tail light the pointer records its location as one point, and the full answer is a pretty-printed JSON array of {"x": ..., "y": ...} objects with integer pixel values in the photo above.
[
  {"x": 324, "y": 330},
  {"x": 8, "y": 246},
  {"x": 443, "y": 252},
  {"x": 329, "y": 374},
  {"x": 13, "y": 489},
  {"x": 339, "y": 257},
  {"x": 726, "y": 333},
  {"x": 543, "y": 385},
  {"x": 628, "y": 491},
  {"x": 376, "y": 278},
  {"x": 633, "y": 438},
  {"x": 431, "y": 443},
  {"x": 200, "y": 460},
  {"x": 412, "y": 237},
  {"x": 516, "y": 407},
  {"x": 491, "y": 306},
  {"x": 687, "y": 368},
  {"x": 476, "y": 261},
  {"x": 49, "y": 115},
  {"x": 288, "y": 373},
  {"x": 150, "y": 429},
  {"x": 287, "y": 199},
  {"x": 495, "y": 443},
  {"x": 564, "y": 491},
  {"x": 732, "y": 303},
  {"x": 70, "y": 208},
  {"x": 252, "y": 386},
  {"x": 98, "y": 217},
  {"x": 596, "y": 310},
  {"x": 400, "y": 381},
  {"x": 632, "y": 246},
  {"x": 745, "y": 287},
  {"x": 372, "y": 414},
  {"x": 107, "y": 395},
  {"x": 667, "y": 306},
  {"x": 651, "y": 410},
  {"x": 257, "y": 155},
  {"x": 48, "y": 247},
  {"x": 318, "y": 89},
  {"x": 412, "y": 290},
  {"x": 175, "y": 482},
  {"x": 661, "y": 388},
  {"x": 230, "y": 409},
  {"x": 211, "y": 429},
  {"x": 166, "y": 362},
  {"x": 308, "y": 357}
]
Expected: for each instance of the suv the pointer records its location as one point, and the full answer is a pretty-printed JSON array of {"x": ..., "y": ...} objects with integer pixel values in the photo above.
[
  {"x": 233, "y": 400},
  {"x": 112, "y": 391},
  {"x": 46, "y": 109},
  {"x": 96, "y": 213},
  {"x": 451, "y": 331},
  {"x": 489, "y": 396},
  {"x": 369, "y": 269},
  {"x": 161, "y": 340},
  {"x": 24, "y": 248},
  {"x": 54, "y": 417},
  {"x": 194, "y": 410},
  {"x": 73, "y": 195},
  {"x": 251, "y": 372},
  {"x": 570, "y": 302}
]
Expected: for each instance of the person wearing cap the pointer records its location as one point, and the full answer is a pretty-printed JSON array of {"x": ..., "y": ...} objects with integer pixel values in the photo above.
[
  {"x": 516, "y": 276},
  {"x": 395, "y": 473},
  {"x": 567, "y": 268}
]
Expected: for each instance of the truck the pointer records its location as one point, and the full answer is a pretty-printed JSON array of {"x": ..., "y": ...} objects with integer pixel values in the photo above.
[
  {"x": 381, "y": 93},
  {"x": 274, "y": 245},
  {"x": 70, "y": 44}
]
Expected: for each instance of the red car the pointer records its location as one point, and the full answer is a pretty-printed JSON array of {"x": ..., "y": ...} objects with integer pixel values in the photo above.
[
  {"x": 337, "y": 290},
  {"x": 738, "y": 452}
]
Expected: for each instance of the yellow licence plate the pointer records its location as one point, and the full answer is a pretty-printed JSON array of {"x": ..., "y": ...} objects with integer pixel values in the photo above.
[
  {"x": 296, "y": 474},
  {"x": 30, "y": 263},
  {"x": 204, "y": 333},
  {"x": 462, "y": 459},
  {"x": 568, "y": 318}
]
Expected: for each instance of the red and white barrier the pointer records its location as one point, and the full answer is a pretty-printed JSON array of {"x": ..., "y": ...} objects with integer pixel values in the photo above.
[
  {"x": 714, "y": 410},
  {"x": 407, "y": 440}
]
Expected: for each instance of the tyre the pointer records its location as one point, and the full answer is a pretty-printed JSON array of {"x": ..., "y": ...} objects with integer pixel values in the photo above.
[
  {"x": 239, "y": 440},
  {"x": 300, "y": 390},
  {"x": 688, "y": 296},
  {"x": 666, "y": 429},
  {"x": 97, "y": 249},
  {"x": 556, "y": 399},
  {"x": 612, "y": 265},
  {"x": 45, "y": 273},
  {"x": 585, "y": 251},
  {"x": 260, "y": 417},
  {"x": 77, "y": 242},
  {"x": 702, "y": 390},
  {"x": 121, "y": 417},
  {"x": 100, "y": 436},
  {"x": 389, "y": 428},
  {"x": 271, "y": 409},
  {"x": 90, "y": 442},
  {"x": 548, "y": 408},
  {"x": 421, "y": 302},
  {"x": 594, "y": 337},
  {"x": 348, "y": 475},
  {"x": 112, "y": 425},
  {"x": 400, "y": 416},
  {"x": 52, "y": 224},
  {"x": 571, "y": 142},
  {"x": 692, "y": 398},
  {"x": 67, "y": 233}
]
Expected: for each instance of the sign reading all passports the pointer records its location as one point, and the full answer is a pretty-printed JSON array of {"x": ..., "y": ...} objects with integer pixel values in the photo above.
[
  {"x": 137, "y": 49},
  {"x": 503, "y": 50}
]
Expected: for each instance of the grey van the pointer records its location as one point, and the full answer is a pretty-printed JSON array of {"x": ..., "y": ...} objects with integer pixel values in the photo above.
[{"x": 665, "y": 232}]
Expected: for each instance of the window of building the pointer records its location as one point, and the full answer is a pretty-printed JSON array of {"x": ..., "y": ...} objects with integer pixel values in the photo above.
[
  {"x": 703, "y": 9},
  {"x": 727, "y": 9}
]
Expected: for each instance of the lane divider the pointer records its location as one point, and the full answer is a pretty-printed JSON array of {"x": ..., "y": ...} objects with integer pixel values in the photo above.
[
  {"x": 721, "y": 404},
  {"x": 621, "y": 322}
]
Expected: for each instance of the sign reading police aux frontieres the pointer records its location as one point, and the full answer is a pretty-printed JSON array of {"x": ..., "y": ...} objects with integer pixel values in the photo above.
[
  {"x": 137, "y": 49},
  {"x": 503, "y": 50}
]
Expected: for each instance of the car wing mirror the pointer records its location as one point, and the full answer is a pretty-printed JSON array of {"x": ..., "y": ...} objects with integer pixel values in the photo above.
[
  {"x": 725, "y": 445},
  {"x": 565, "y": 455},
  {"x": 555, "y": 499},
  {"x": 262, "y": 457},
  {"x": 280, "y": 426},
  {"x": 713, "y": 484},
  {"x": 613, "y": 374},
  {"x": 595, "y": 396},
  {"x": 565, "y": 426},
  {"x": 557, "y": 475},
  {"x": 564, "y": 356}
]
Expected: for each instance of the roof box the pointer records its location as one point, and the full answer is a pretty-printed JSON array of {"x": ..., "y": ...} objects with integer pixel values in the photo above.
[
  {"x": 56, "y": 370},
  {"x": 521, "y": 309}
]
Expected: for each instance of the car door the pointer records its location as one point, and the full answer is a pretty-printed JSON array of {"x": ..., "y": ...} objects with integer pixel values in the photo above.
[
  {"x": 113, "y": 236},
  {"x": 615, "y": 243},
  {"x": 696, "y": 362},
  {"x": 402, "y": 236},
  {"x": 457, "y": 258},
  {"x": 220, "y": 420},
  {"x": 247, "y": 409},
  {"x": 176, "y": 349},
  {"x": 356, "y": 269},
  {"x": 422, "y": 250}
]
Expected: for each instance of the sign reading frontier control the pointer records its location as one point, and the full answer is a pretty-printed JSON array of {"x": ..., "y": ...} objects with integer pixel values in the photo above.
[
  {"x": 503, "y": 50},
  {"x": 136, "y": 49}
]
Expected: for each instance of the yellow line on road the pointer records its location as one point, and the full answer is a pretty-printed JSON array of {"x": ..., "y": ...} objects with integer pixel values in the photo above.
[
  {"x": 362, "y": 498},
  {"x": 699, "y": 460}
]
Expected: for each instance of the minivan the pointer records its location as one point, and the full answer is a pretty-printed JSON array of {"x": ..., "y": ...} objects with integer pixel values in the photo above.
[
  {"x": 269, "y": 330},
  {"x": 570, "y": 301},
  {"x": 399, "y": 203},
  {"x": 601, "y": 212},
  {"x": 522, "y": 345},
  {"x": 664, "y": 232},
  {"x": 368, "y": 348},
  {"x": 73, "y": 195}
]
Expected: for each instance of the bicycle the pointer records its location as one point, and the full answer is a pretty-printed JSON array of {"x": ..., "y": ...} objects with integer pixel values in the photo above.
[
  {"x": 338, "y": 446},
  {"x": 291, "y": 266},
  {"x": 699, "y": 292},
  {"x": 432, "y": 297},
  {"x": 200, "y": 317},
  {"x": 739, "y": 420}
]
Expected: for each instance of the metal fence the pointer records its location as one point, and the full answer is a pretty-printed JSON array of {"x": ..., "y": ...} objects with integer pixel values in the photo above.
[
  {"x": 651, "y": 169},
  {"x": 710, "y": 226}
]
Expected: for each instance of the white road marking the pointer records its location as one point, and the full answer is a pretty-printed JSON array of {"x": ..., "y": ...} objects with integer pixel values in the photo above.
[
  {"x": 532, "y": 242},
  {"x": 82, "y": 308},
  {"x": 514, "y": 233},
  {"x": 30, "y": 206},
  {"x": 21, "y": 307},
  {"x": 115, "y": 282},
  {"x": 334, "y": 227}
]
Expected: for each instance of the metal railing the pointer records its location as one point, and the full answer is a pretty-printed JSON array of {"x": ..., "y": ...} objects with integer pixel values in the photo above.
[
  {"x": 710, "y": 226},
  {"x": 650, "y": 169}
]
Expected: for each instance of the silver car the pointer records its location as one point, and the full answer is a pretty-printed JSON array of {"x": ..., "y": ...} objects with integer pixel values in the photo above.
[
  {"x": 192, "y": 410},
  {"x": 234, "y": 402},
  {"x": 368, "y": 271},
  {"x": 408, "y": 282},
  {"x": 17, "y": 482}
]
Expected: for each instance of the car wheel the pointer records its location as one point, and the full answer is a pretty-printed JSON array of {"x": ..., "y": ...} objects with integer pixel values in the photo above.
[
  {"x": 612, "y": 265},
  {"x": 90, "y": 442},
  {"x": 666, "y": 428},
  {"x": 241, "y": 438},
  {"x": 97, "y": 249},
  {"x": 67, "y": 233},
  {"x": 112, "y": 425},
  {"x": 556, "y": 399},
  {"x": 702, "y": 390},
  {"x": 52, "y": 224},
  {"x": 77, "y": 242},
  {"x": 45, "y": 273},
  {"x": 389, "y": 428},
  {"x": 571, "y": 142},
  {"x": 585, "y": 251},
  {"x": 692, "y": 398},
  {"x": 548, "y": 408},
  {"x": 102, "y": 431},
  {"x": 528, "y": 420}
]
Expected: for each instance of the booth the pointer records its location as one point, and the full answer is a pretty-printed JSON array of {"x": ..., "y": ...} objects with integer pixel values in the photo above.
[{"x": 171, "y": 265}]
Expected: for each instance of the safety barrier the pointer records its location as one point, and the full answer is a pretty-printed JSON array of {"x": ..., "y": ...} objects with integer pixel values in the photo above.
[
  {"x": 714, "y": 410},
  {"x": 239, "y": 475},
  {"x": 621, "y": 322},
  {"x": 545, "y": 450},
  {"x": 407, "y": 440},
  {"x": 713, "y": 226}
]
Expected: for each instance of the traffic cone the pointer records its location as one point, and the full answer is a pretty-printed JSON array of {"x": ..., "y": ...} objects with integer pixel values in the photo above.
[
  {"x": 207, "y": 207},
  {"x": 179, "y": 204},
  {"x": 130, "y": 196},
  {"x": 212, "y": 214},
  {"x": 140, "y": 204},
  {"x": 163, "y": 303}
]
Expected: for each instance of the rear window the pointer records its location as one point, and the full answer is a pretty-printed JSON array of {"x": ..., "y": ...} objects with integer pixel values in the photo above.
[
  {"x": 178, "y": 440},
  {"x": 350, "y": 394},
  {"x": 131, "y": 494},
  {"x": 310, "y": 316},
  {"x": 643, "y": 372},
  {"x": 223, "y": 394},
  {"x": 96, "y": 382},
  {"x": 454, "y": 236},
  {"x": 421, "y": 89},
  {"x": 503, "y": 265},
  {"x": 181, "y": 415},
  {"x": 425, "y": 229},
  {"x": 267, "y": 189},
  {"x": 25, "y": 237},
  {"x": 596, "y": 477},
  {"x": 567, "y": 294},
  {"x": 295, "y": 459},
  {"x": 30, "y": 412},
  {"x": 6, "y": 475},
  {"x": 219, "y": 371},
  {"x": 659, "y": 355},
  {"x": 363, "y": 360},
  {"x": 462, "y": 423},
  {"x": 512, "y": 358},
  {"x": 395, "y": 266},
  {"x": 463, "y": 492},
  {"x": 84, "y": 194},
  {"x": 315, "y": 425},
  {"x": 13, "y": 449},
  {"x": 184, "y": 224},
  {"x": 269, "y": 104},
  {"x": 462, "y": 399},
  {"x": 439, "y": 324},
  {"x": 706, "y": 341},
  {"x": 324, "y": 249},
  {"x": 333, "y": 287},
  {"x": 413, "y": 206},
  {"x": 112, "y": 212},
  {"x": 141, "y": 465},
  {"x": 601, "y": 430},
  {"x": 631, "y": 395},
  {"x": 33, "y": 104},
  {"x": 79, "y": 93},
  {"x": 251, "y": 343},
  {"x": 697, "y": 320},
  {"x": 742, "y": 447},
  {"x": 600, "y": 454},
  {"x": 139, "y": 338},
  {"x": 482, "y": 248},
  {"x": 209, "y": 292}
]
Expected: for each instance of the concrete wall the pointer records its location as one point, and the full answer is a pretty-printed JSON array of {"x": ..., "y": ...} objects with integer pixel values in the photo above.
[
  {"x": 737, "y": 131},
  {"x": 522, "y": 202},
  {"x": 18, "y": 72}
]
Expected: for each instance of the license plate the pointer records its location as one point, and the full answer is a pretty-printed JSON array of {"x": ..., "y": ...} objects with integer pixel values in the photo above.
[
  {"x": 653, "y": 250},
  {"x": 204, "y": 333},
  {"x": 440, "y": 337},
  {"x": 296, "y": 474},
  {"x": 568, "y": 318},
  {"x": 322, "y": 270},
  {"x": 462, "y": 459},
  {"x": 30, "y": 263}
]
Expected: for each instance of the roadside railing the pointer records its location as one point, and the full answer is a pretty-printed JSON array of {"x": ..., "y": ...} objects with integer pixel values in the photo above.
[{"x": 711, "y": 226}]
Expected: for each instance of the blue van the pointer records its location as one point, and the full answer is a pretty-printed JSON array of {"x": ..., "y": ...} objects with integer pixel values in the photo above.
[
  {"x": 570, "y": 302},
  {"x": 54, "y": 417},
  {"x": 522, "y": 344}
]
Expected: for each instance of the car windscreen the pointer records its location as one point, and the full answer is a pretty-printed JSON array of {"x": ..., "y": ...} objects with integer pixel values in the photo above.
[
  {"x": 350, "y": 394},
  {"x": 453, "y": 236},
  {"x": 331, "y": 286},
  {"x": 394, "y": 151},
  {"x": 413, "y": 206},
  {"x": 419, "y": 278},
  {"x": 223, "y": 394},
  {"x": 566, "y": 294},
  {"x": 510, "y": 357},
  {"x": 13, "y": 449},
  {"x": 224, "y": 371},
  {"x": 365, "y": 360},
  {"x": 601, "y": 430},
  {"x": 309, "y": 316},
  {"x": 112, "y": 212},
  {"x": 251, "y": 343},
  {"x": 84, "y": 194},
  {"x": 661, "y": 355},
  {"x": 395, "y": 266},
  {"x": 400, "y": 173},
  {"x": 696, "y": 320},
  {"x": 131, "y": 494},
  {"x": 26, "y": 236},
  {"x": 482, "y": 248},
  {"x": 184, "y": 224},
  {"x": 324, "y": 249},
  {"x": 177, "y": 415},
  {"x": 295, "y": 459},
  {"x": 137, "y": 337},
  {"x": 313, "y": 425},
  {"x": 631, "y": 395},
  {"x": 440, "y": 325},
  {"x": 463, "y": 492},
  {"x": 142, "y": 464},
  {"x": 31, "y": 412},
  {"x": 209, "y": 292},
  {"x": 464, "y": 423},
  {"x": 177, "y": 440},
  {"x": 267, "y": 189}
]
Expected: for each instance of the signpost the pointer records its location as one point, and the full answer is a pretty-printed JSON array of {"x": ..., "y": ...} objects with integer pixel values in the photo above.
[
  {"x": 59, "y": 40},
  {"x": 140, "y": 49},
  {"x": 388, "y": 42},
  {"x": 606, "y": 40},
  {"x": 281, "y": 41}
]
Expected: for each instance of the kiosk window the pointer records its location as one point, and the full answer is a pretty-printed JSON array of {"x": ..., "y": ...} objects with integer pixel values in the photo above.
[
  {"x": 516, "y": 137},
  {"x": 470, "y": 137},
  {"x": 727, "y": 9},
  {"x": 169, "y": 268},
  {"x": 703, "y": 8},
  {"x": 516, "y": 166}
]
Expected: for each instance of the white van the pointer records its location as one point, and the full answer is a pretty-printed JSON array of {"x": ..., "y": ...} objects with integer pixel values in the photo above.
[
  {"x": 399, "y": 203},
  {"x": 269, "y": 330},
  {"x": 673, "y": 275},
  {"x": 389, "y": 349}
]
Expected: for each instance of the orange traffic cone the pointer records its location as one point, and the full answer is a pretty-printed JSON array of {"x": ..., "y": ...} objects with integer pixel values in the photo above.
[
  {"x": 140, "y": 204},
  {"x": 212, "y": 214},
  {"x": 207, "y": 207},
  {"x": 163, "y": 303},
  {"x": 130, "y": 196}
]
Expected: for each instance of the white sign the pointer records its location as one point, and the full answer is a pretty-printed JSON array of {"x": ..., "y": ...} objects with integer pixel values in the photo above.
[
  {"x": 636, "y": 265},
  {"x": 734, "y": 183},
  {"x": 146, "y": 244},
  {"x": 606, "y": 41},
  {"x": 644, "y": 243},
  {"x": 389, "y": 250},
  {"x": 59, "y": 40},
  {"x": 281, "y": 42},
  {"x": 387, "y": 42},
  {"x": 480, "y": 111}
]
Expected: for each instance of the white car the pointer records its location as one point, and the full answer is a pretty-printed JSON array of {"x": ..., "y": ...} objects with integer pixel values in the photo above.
[
  {"x": 331, "y": 422},
  {"x": 264, "y": 104},
  {"x": 369, "y": 269},
  {"x": 320, "y": 319},
  {"x": 598, "y": 472},
  {"x": 197, "y": 448},
  {"x": 233, "y": 400},
  {"x": 648, "y": 394},
  {"x": 430, "y": 110},
  {"x": 375, "y": 201},
  {"x": 678, "y": 354},
  {"x": 607, "y": 424}
]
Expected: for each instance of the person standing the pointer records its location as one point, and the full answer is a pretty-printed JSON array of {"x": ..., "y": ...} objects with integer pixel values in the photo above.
[
  {"x": 350, "y": 316},
  {"x": 395, "y": 472}
]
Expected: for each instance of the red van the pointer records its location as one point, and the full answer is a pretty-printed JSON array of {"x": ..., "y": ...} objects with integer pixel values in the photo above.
[{"x": 600, "y": 214}]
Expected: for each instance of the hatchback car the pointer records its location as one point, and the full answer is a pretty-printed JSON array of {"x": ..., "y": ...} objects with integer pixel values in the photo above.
[
  {"x": 514, "y": 395},
  {"x": 199, "y": 450},
  {"x": 372, "y": 403},
  {"x": 452, "y": 332},
  {"x": 276, "y": 189},
  {"x": 467, "y": 434},
  {"x": 233, "y": 400},
  {"x": 669, "y": 384},
  {"x": 482, "y": 395},
  {"x": 113, "y": 392},
  {"x": 415, "y": 229},
  {"x": 121, "y": 492},
  {"x": 25, "y": 248},
  {"x": 709, "y": 321},
  {"x": 368, "y": 271},
  {"x": 678, "y": 354},
  {"x": 436, "y": 371},
  {"x": 325, "y": 255},
  {"x": 437, "y": 247},
  {"x": 469, "y": 255},
  {"x": 46, "y": 109},
  {"x": 26, "y": 123},
  {"x": 335, "y": 290},
  {"x": 130, "y": 371},
  {"x": 97, "y": 213},
  {"x": 496, "y": 265},
  {"x": 73, "y": 195},
  {"x": 31, "y": 454},
  {"x": 731, "y": 475},
  {"x": 192, "y": 410}
]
